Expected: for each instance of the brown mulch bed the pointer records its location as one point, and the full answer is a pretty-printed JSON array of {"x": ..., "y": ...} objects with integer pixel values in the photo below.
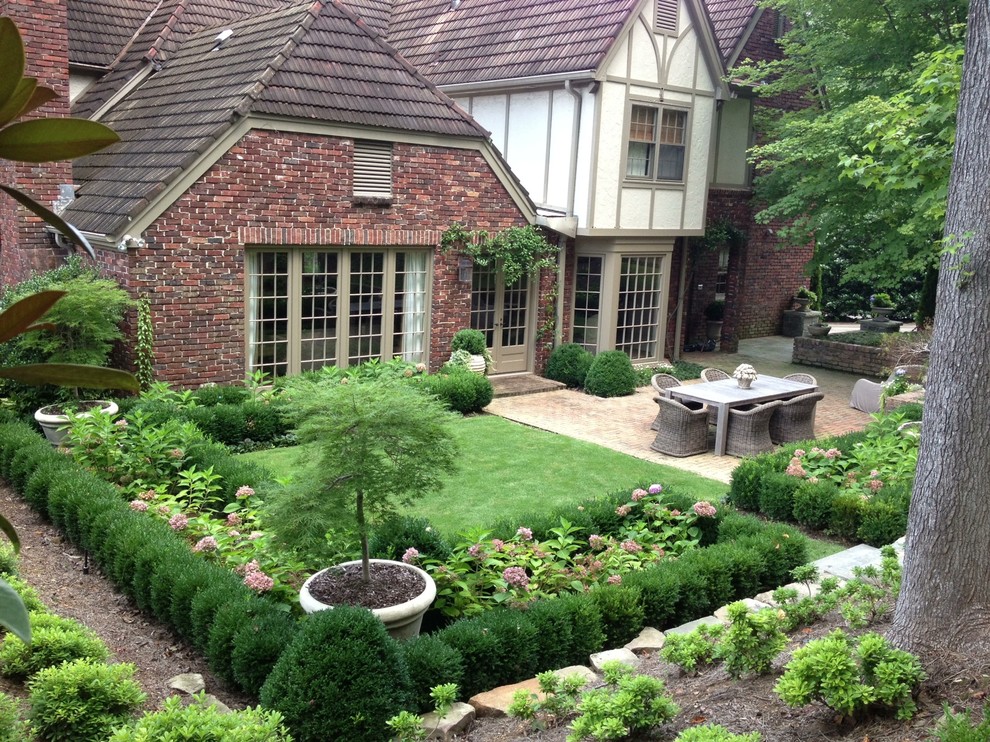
[{"x": 55, "y": 569}]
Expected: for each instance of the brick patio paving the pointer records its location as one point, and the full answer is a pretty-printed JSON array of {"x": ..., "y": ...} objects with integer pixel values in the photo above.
[{"x": 623, "y": 423}]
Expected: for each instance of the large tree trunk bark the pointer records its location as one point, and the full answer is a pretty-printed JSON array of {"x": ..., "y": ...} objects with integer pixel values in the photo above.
[{"x": 943, "y": 613}]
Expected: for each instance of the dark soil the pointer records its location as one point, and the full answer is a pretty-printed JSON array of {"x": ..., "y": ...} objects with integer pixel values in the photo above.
[{"x": 391, "y": 584}]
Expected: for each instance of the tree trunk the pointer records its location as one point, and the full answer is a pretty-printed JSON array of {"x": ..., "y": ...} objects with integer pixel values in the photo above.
[
  {"x": 943, "y": 613},
  {"x": 362, "y": 526}
]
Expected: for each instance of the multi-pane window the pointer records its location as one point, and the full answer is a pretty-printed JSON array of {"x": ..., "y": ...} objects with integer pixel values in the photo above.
[
  {"x": 657, "y": 143},
  {"x": 587, "y": 301},
  {"x": 722, "y": 273},
  {"x": 314, "y": 308},
  {"x": 638, "y": 320}
]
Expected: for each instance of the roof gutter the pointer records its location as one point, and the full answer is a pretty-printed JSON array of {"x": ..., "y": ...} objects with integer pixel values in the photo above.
[{"x": 516, "y": 82}]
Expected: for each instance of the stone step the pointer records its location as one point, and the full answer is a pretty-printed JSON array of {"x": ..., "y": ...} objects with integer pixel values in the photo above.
[{"x": 516, "y": 385}]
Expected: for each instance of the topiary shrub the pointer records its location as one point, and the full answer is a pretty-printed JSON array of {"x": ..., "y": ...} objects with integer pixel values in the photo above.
[
  {"x": 472, "y": 341},
  {"x": 342, "y": 678},
  {"x": 883, "y": 518},
  {"x": 659, "y": 593},
  {"x": 569, "y": 364},
  {"x": 847, "y": 510},
  {"x": 777, "y": 495},
  {"x": 622, "y": 612},
  {"x": 202, "y": 720},
  {"x": 587, "y": 635},
  {"x": 554, "y": 633},
  {"x": 82, "y": 701},
  {"x": 430, "y": 663},
  {"x": 813, "y": 503},
  {"x": 460, "y": 389},
  {"x": 610, "y": 375},
  {"x": 259, "y": 644}
]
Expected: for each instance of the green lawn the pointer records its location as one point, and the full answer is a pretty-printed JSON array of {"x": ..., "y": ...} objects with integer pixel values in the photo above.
[{"x": 510, "y": 469}]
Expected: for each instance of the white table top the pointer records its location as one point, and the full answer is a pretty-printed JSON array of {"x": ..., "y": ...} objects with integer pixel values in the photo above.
[{"x": 763, "y": 389}]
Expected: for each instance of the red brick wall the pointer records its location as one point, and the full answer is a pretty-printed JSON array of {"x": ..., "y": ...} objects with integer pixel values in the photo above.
[
  {"x": 287, "y": 189},
  {"x": 25, "y": 247}
]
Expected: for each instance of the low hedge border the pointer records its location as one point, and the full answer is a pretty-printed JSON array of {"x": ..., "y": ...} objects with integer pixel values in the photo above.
[
  {"x": 760, "y": 484},
  {"x": 244, "y": 635}
]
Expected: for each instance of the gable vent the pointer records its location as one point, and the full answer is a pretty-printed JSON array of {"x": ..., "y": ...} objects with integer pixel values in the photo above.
[
  {"x": 372, "y": 169},
  {"x": 666, "y": 19}
]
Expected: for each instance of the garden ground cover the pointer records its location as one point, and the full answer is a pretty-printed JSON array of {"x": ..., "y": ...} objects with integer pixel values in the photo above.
[{"x": 507, "y": 469}]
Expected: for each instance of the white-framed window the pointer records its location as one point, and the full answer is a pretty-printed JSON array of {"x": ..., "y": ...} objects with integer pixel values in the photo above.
[
  {"x": 309, "y": 308},
  {"x": 657, "y": 143}
]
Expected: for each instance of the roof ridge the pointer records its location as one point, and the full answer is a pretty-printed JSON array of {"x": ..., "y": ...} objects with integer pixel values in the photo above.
[
  {"x": 408, "y": 66},
  {"x": 271, "y": 69},
  {"x": 134, "y": 37},
  {"x": 167, "y": 30}
]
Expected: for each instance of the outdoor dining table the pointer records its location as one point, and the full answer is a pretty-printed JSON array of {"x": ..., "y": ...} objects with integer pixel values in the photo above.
[{"x": 726, "y": 393}]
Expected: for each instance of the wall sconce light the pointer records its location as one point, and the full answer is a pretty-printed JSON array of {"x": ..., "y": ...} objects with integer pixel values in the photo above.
[{"x": 464, "y": 266}]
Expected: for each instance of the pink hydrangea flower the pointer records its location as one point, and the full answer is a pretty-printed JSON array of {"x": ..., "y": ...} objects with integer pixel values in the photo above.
[
  {"x": 639, "y": 494},
  {"x": 795, "y": 469},
  {"x": 874, "y": 474},
  {"x": 675, "y": 512},
  {"x": 475, "y": 550},
  {"x": 259, "y": 581},
  {"x": 631, "y": 546},
  {"x": 207, "y": 543},
  {"x": 411, "y": 555},
  {"x": 163, "y": 510},
  {"x": 139, "y": 505},
  {"x": 148, "y": 495},
  {"x": 655, "y": 489},
  {"x": 800, "y": 452},
  {"x": 244, "y": 491},
  {"x": 595, "y": 541},
  {"x": 250, "y": 567},
  {"x": 233, "y": 519},
  {"x": 876, "y": 485},
  {"x": 233, "y": 533},
  {"x": 623, "y": 510},
  {"x": 524, "y": 533},
  {"x": 516, "y": 576},
  {"x": 420, "y": 368},
  {"x": 177, "y": 453},
  {"x": 178, "y": 522},
  {"x": 498, "y": 544},
  {"x": 255, "y": 535},
  {"x": 614, "y": 579},
  {"x": 833, "y": 453},
  {"x": 704, "y": 509},
  {"x": 121, "y": 423}
]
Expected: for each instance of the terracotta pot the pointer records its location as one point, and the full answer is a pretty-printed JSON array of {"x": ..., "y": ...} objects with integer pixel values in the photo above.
[
  {"x": 54, "y": 423},
  {"x": 402, "y": 621}
]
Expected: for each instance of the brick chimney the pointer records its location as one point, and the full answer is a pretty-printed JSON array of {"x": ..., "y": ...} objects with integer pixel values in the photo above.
[{"x": 25, "y": 246}]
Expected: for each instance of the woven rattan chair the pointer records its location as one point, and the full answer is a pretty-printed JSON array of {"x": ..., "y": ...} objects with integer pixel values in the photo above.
[
  {"x": 683, "y": 431},
  {"x": 866, "y": 394},
  {"x": 661, "y": 383},
  {"x": 794, "y": 420},
  {"x": 749, "y": 430},
  {"x": 714, "y": 374},
  {"x": 803, "y": 378}
]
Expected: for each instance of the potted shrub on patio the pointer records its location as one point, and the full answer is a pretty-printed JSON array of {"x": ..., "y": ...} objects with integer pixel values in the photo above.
[
  {"x": 470, "y": 348},
  {"x": 714, "y": 314},
  {"x": 803, "y": 297},
  {"x": 819, "y": 329},
  {"x": 881, "y": 305},
  {"x": 381, "y": 444}
]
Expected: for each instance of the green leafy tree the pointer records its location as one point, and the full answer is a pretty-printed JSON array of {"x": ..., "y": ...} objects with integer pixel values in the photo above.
[{"x": 381, "y": 444}]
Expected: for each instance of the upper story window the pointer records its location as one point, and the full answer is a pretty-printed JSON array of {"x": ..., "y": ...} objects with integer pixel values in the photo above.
[
  {"x": 657, "y": 143},
  {"x": 665, "y": 20},
  {"x": 372, "y": 170}
]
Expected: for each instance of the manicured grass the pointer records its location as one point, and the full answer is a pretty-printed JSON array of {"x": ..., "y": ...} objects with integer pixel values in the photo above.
[{"x": 509, "y": 469}]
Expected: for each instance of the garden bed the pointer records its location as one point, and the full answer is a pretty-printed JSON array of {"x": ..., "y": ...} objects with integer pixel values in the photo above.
[{"x": 872, "y": 354}]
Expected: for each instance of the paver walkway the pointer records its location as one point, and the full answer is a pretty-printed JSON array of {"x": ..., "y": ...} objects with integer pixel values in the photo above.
[{"x": 623, "y": 423}]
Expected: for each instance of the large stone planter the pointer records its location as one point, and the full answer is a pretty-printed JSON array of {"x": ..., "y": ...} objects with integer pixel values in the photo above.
[
  {"x": 54, "y": 422},
  {"x": 402, "y": 621}
]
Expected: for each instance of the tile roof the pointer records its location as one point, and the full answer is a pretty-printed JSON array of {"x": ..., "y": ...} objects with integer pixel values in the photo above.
[
  {"x": 483, "y": 40},
  {"x": 308, "y": 60},
  {"x": 102, "y": 28},
  {"x": 729, "y": 19}
]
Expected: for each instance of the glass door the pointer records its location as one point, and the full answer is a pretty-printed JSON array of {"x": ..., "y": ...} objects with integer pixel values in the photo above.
[{"x": 502, "y": 313}]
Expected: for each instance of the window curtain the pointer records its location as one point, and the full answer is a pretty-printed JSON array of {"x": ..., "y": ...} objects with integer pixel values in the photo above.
[
  {"x": 414, "y": 304},
  {"x": 254, "y": 309}
]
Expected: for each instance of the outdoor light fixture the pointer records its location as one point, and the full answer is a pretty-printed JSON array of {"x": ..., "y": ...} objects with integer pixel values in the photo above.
[{"x": 464, "y": 266}]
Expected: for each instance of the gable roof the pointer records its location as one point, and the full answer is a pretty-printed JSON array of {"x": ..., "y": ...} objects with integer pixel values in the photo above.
[
  {"x": 308, "y": 60},
  {"x": 481, "y": 40},
  {"x": 102, "y": 28},
  {"x": 732, "y": 20}
]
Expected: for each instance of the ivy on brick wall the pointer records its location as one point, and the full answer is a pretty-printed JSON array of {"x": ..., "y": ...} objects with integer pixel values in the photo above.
[{"x": 516, "y": 251}]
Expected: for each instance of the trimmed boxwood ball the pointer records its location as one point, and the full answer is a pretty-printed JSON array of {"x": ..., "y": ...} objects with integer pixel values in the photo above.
[
  {"x": 622, "y": 612},
  {"x": 569, "y": 364},
  {"x": 611, "y": 375},
  {"x": 342, "y": 678},
  {"x": 460, "y": 389},
  {"x": 430, "y": 663},
  {"x": 473, "y": 341},
  {"x": 258, "y": 645}
]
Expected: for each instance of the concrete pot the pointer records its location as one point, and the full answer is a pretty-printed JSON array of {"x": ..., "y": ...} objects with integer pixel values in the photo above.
[
  {"x": 54, "y": 423},
  {"x": 402, "y": 621}
]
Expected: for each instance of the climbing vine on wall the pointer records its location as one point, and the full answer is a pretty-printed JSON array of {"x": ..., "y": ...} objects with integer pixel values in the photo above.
[{"x": 516, "y": 251}]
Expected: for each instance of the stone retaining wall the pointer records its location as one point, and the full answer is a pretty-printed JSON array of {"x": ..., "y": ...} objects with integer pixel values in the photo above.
[{"x": 857, "y": 359}]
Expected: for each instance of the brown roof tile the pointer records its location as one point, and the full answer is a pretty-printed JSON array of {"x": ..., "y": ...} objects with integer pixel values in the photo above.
[
  {"x": 102, "y": 28},
  {"x": 729, "y": 19},
  {"x": 309, "y": 60},
  {"x": 483, "y": 40}
]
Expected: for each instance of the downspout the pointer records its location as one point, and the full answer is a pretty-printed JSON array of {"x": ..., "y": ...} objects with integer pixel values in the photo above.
[
  {"x": 558, "y": 336},
  {"x": 679, "y": 312}
]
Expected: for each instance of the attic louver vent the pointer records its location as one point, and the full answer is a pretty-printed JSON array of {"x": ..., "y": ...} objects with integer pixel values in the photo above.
[
  {"x": 667, "y": 16},
  {"x": 372, "y": 169}
]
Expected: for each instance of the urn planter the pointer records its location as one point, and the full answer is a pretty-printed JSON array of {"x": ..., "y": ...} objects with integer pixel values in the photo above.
[
  {"x": 54, "y": 418},
  {"x": 402, "y": 621}
]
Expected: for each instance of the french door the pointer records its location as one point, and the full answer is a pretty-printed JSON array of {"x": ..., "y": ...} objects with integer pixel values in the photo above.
[{"x": 502, "y": 313}]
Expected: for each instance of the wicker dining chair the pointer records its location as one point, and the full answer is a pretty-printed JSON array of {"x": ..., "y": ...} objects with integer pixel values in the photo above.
[
  {"x": 661, "y": 383},
  {"x": 682, "y": 431},
  {"x": 714, "y": 374},
  {"x": 803, "y": 378},
  {"x": 749, "y": 430},
  {"x": 794, "y": 420}
]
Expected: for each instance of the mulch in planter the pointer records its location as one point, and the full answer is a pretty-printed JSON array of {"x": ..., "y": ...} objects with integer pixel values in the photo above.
[{"x": 391, "y": 584}]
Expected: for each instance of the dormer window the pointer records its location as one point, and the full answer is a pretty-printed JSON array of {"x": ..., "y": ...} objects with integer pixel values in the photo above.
[
  {"x": 372, "y": 171},
  {"x": 657, "y": 143}
]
